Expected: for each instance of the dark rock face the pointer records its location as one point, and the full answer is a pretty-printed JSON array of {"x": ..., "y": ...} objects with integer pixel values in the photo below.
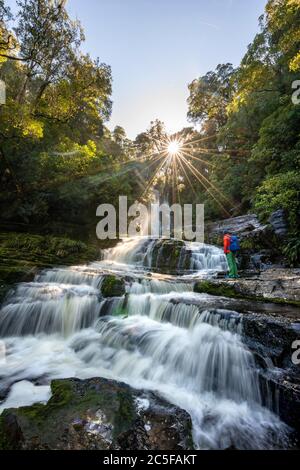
[
  {"x": 112, "y": 286},
  {"x": 271, "y": 338},
  {"x": 244, "y": 226},
  {"x": 166, "y": 255},
  {"x": 279, "y": 223},
  {"x": 260, "y": 243},
  {"x": 271, "y": 341},
  {"x": 287, "y": 393},
  {"x": 96, "y": 414}
]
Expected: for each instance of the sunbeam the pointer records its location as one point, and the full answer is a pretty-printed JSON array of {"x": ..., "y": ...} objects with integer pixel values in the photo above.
[{"x": 173, "y": 156}]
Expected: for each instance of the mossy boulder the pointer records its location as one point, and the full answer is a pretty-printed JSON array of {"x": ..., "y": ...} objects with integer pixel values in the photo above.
[
  {"x": 166, "y": 255},
  {"x": 96, "y": 414},
  {"x": 212, "y": 288},
  {"x": 112, "y": 286}
]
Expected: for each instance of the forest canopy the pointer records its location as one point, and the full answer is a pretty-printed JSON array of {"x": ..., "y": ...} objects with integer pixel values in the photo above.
[
  {"x": 248, "y": 114},
  {"x": 59, "y": 160}
]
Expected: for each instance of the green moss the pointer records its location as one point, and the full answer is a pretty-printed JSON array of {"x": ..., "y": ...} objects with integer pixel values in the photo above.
[
  {"x": 208, "y": 287},
  {"x": 41, "y": 250},
  {"x": 248, "y": 244},
  {"x": 225, "y": 290},
  {"x": 70, "y": 401},
  {"x": 126, "y": 413},
  {"x": 166, "y": 254},
  {"x": 112, "y": 286},
  {"x": 214, "y": 239},
  {"x": 5, "y": 443}
]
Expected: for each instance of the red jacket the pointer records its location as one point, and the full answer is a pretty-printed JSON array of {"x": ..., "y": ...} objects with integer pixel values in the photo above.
[{"x": 226, "y": 244}]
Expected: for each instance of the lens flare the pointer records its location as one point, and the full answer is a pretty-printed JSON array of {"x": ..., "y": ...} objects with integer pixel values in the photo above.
[
  {"x": 173, "y": 148},
  {"x": 176, "y": 161}
]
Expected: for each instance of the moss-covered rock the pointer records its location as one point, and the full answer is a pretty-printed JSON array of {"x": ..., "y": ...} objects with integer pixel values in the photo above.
[
  {"x": 273, "y": 285},
  {"x": 96, "y": 414},
  {"x": 112, "y": 286},
  {"x": 211, "y": 288},
  {"x": 166, "y": 255}
]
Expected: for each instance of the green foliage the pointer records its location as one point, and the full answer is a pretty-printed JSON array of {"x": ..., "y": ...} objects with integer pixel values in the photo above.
[
  {"x": 291, "y": 249},
  {"x": 210, "y": 95},
  {"x": 54, "y": 147},
  {"x": 278, "y": 146},
  {"x": 59, "y": 161},
  {"x": 280, "y": 191},
  {"x": 257, "y": 125},
  {"x": 43, "y": 249}
]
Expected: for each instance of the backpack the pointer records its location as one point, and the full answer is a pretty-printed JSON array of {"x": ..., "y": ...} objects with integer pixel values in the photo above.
[{"x": 234, "y": 243}]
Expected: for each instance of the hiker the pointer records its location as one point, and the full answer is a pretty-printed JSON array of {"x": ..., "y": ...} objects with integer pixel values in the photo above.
[{"x": 231, "y": 246}]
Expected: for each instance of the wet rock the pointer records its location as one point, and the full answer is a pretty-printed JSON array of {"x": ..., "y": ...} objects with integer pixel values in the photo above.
[
  {"x": 287, "y": 395},
  {"x": 275, "y": 285},
  {"x": 166, "y": 255},
  {"x": 251, "y": 261},
  {"x": 279, "y": 223},
  {"x": 271, "y": 341},
  {"x": 245, "y": 226},
  {"x": 112, "y": 286},
  {"x": 260, "y": 243},
  {"x": 271, "y": 338},
  {"x": 96, "y": 414}
]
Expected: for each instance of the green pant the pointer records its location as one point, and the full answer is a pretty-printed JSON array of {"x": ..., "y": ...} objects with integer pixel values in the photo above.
[{"x": 233, "y": 272}]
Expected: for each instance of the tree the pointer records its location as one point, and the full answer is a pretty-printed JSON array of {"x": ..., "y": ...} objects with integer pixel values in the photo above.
[
  {"x": 211, "y": 94},
  {"x": 250, "y": 111},
  {"x": 7, "y": 41},
  {"x": 148, "y": 143},
  {"x": 58, "y": 99},
  {"x": 48, "y": 41},
  {"x": 119, "y": 135}
]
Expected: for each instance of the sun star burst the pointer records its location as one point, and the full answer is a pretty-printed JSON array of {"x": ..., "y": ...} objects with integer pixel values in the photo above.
[{"x": 174, "y": 148}]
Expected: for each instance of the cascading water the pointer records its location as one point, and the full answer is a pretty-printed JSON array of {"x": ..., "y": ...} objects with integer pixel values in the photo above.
[
  {"x": 139, "y": 251},
  {"x": 160, "y": 336}
]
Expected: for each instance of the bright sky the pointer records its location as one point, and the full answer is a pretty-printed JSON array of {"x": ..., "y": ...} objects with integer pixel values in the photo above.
[{"x": 157, "y": 47}]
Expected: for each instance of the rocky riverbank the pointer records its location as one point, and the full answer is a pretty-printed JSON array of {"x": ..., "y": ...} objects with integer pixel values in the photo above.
[{"x": 273, "y": 285}]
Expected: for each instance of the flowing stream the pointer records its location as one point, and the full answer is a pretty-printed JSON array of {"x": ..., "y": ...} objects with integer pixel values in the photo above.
[{"x": 160, "y": 336}]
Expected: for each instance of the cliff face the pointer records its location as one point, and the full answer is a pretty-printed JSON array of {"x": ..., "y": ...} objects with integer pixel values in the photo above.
[{"x": 261, "y": 244}]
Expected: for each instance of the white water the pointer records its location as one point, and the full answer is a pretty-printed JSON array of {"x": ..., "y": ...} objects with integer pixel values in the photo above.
[
  {"x": 138, "y": 252},
  {"x": 160, "y": 336}
]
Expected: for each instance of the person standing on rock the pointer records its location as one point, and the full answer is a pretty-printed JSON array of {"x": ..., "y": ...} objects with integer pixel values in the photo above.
[{"x": 231, "y": 246}]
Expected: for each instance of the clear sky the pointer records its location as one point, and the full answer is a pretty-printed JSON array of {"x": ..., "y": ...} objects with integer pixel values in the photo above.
[{"x": 157, "y": 47}]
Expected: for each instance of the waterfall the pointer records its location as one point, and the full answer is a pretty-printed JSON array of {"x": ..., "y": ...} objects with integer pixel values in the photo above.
[
  {"x": 49, "y": 308},
  {"x": 207, "y": 257},
  {"x": 139, "y": 251},
  {"x": 159, "y": 336}
]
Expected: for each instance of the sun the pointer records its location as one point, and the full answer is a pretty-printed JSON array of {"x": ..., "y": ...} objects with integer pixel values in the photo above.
[{"x": 173, "y": 148}]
